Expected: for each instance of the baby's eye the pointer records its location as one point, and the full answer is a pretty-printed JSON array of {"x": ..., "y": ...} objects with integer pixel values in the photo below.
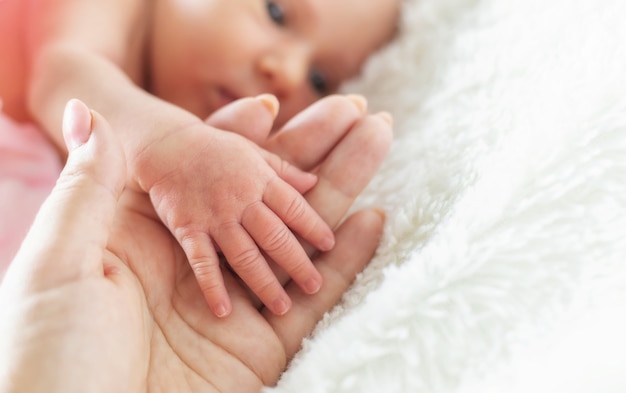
[
  {"x": 275, "y": 12},
  {"x": 318, "y": 82}
]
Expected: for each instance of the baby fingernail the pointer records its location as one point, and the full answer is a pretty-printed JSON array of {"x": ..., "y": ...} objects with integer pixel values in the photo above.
[
  {"x": 327, "y": 243},
  {"x": 270, "y": 102},
  {"x": 359, "y": 101},
  {"x": 386, "y": 116},
  {"x": 312, "y": 286},
  {"x": 280, "y": 306},
  {"x": 220, "y": 310}
]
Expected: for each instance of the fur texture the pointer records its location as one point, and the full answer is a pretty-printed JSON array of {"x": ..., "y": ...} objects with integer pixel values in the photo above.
[{"x": 503, "y": 265}]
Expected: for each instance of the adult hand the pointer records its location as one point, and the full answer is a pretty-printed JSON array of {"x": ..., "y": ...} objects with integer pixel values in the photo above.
[
  {"x": 71, "y": 318},
  {"x": 78, "y": 315}
]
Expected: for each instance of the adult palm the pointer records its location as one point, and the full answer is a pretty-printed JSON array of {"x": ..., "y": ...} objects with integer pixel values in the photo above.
[
  {"x": 188, "y": 348},
  {"x": 251, "y": 347}
]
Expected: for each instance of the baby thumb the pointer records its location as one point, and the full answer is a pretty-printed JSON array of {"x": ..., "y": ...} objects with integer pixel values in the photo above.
[{"x": 71, "y": 230}]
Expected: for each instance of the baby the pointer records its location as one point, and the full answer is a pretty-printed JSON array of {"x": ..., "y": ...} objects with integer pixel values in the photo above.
[{"x": 156, "y": 68}]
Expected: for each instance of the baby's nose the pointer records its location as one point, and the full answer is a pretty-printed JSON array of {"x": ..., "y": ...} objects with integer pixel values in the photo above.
[{"x": 285, "y": 67}]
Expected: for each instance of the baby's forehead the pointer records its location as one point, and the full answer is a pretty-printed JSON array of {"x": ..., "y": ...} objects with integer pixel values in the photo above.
[{"x": 362, "y": 15}]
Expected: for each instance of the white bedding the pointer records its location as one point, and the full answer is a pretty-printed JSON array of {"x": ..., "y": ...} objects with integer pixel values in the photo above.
[{"x": 503, "y": 265}]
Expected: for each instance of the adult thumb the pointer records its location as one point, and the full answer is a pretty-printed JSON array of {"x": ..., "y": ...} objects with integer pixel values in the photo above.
[
  {"x": 71, "y": 230},
  {"x": 250, "y": 117}
]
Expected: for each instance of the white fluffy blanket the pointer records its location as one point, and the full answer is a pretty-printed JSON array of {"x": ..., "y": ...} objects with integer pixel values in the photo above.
[{"x": 503, "y": 265}]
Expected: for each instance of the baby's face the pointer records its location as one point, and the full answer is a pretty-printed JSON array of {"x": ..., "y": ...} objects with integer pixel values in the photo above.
[{"x": 207, "y": 53}]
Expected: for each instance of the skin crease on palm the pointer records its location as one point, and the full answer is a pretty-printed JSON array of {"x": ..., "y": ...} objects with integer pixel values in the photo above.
[{"x": 143, "y": 325}]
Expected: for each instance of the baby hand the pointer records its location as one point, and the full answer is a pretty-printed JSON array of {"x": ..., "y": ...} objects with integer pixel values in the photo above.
[
  {"x": 336, "y": 137},
  {"x": 217, "y": 189}
]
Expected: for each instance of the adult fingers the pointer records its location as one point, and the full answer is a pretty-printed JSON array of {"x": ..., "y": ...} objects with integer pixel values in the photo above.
[
  {"x": 252, "y": 118},
  {"x": 350, "y": 166},
  {"x": 358, "y": 238},
  {"x": 346, "y": 146},
  {"x": 71, "y": 230},
  {"x": 308, "y": 138},
  {"x": 346, "y": 171}
]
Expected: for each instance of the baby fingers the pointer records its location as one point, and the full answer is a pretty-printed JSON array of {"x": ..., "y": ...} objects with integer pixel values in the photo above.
[
  {"x": 280, "y": 244},
  {"x": 244, "y": 257},
  {"x": 300, "y": 180},
  {"x": 206, "y": 268},
  {"x": 297, "y": 214}
]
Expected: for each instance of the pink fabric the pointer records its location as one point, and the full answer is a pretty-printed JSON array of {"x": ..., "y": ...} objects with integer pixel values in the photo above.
[{"x": 29, "y": 167}]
